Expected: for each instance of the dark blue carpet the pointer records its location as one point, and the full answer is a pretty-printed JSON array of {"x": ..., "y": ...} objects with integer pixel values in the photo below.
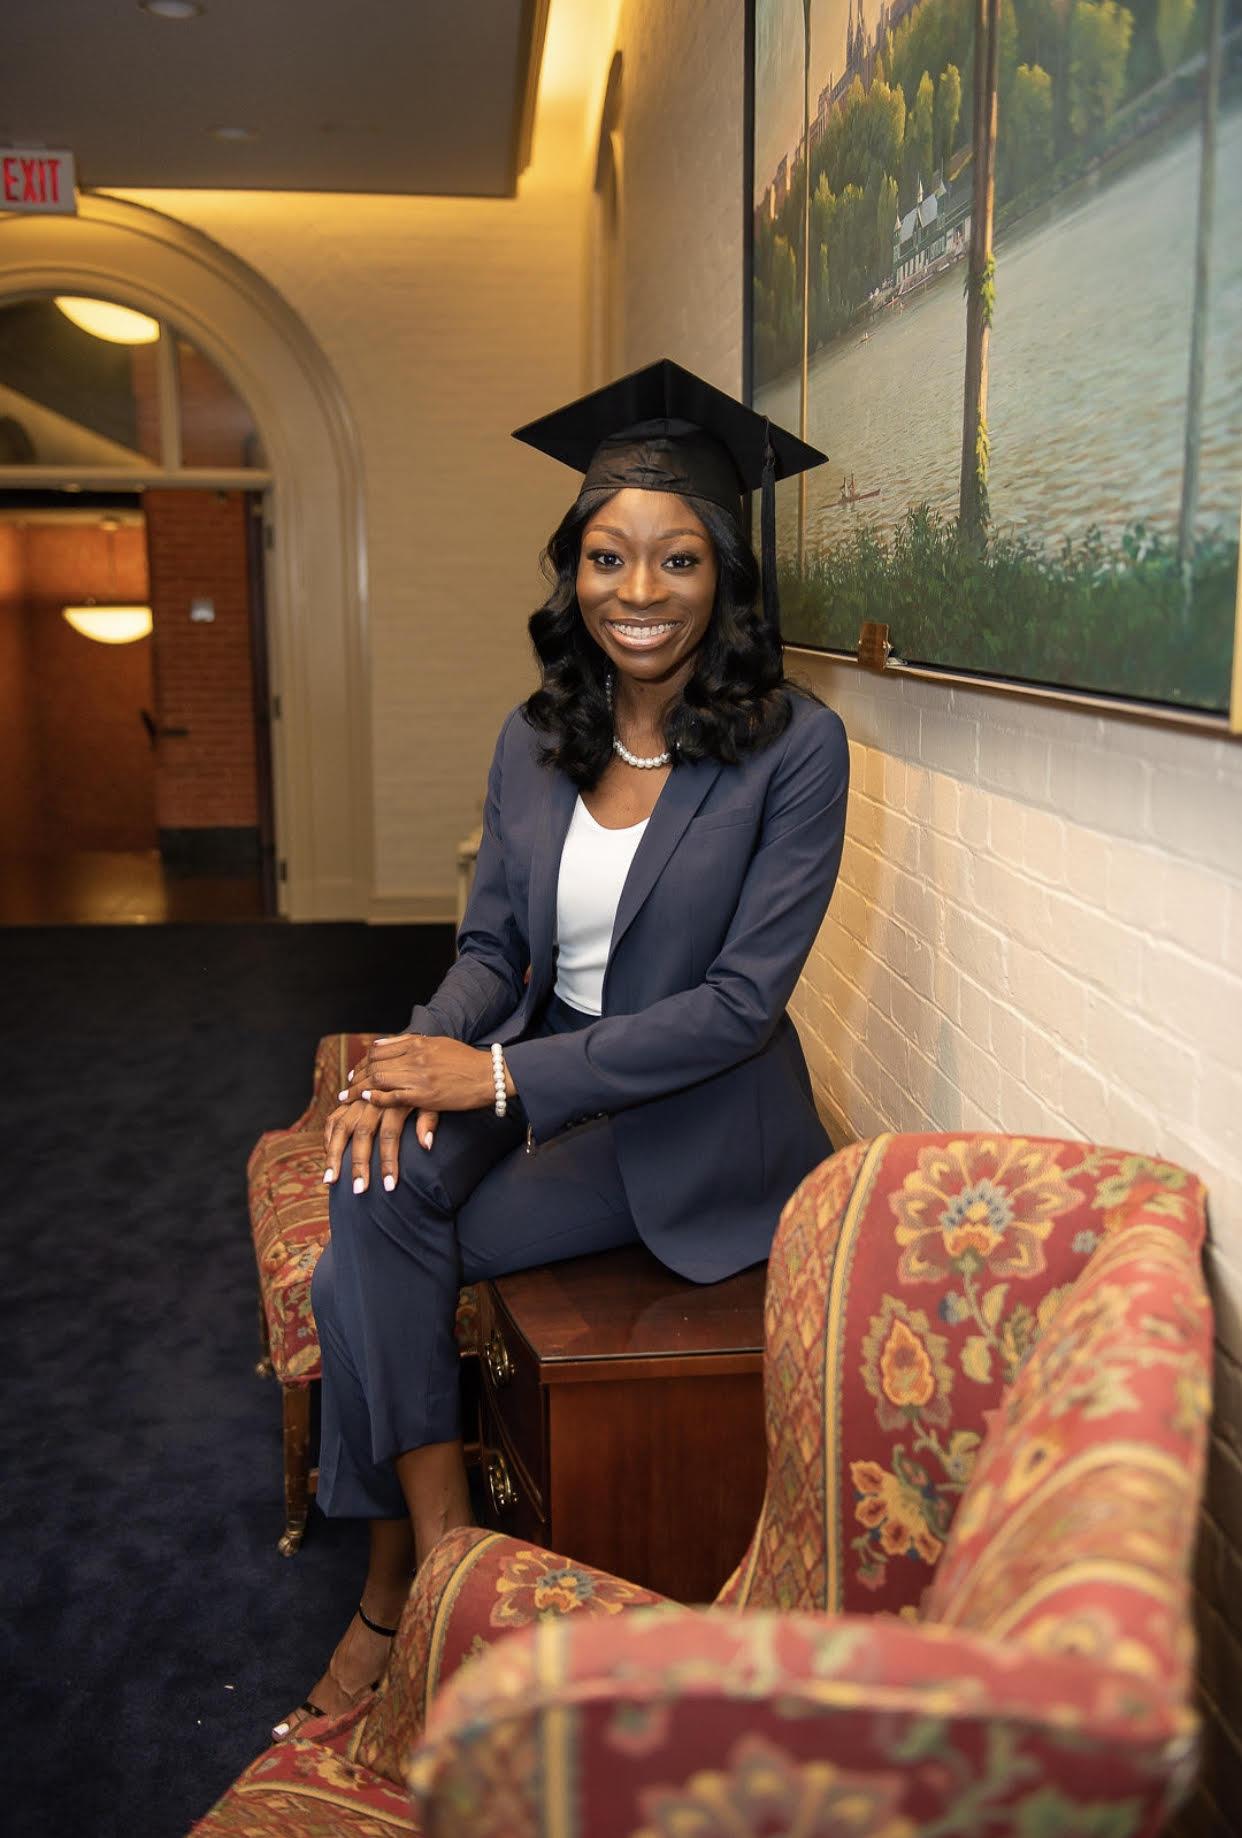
[{"x": 151, "y": 1631}]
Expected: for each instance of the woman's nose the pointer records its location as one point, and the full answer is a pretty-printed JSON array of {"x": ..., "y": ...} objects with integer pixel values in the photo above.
[{"x": 640, "y": 585}]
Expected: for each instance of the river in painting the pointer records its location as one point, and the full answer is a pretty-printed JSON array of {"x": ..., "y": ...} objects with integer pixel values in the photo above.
[{"x": 1088, "y": 372}]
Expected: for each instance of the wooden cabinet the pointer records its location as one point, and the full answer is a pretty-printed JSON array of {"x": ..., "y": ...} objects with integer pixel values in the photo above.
[{"x": 622, "y": 1417}]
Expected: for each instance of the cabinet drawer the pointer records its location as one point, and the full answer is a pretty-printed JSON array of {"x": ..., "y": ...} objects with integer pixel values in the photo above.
[
  {"x": 509, "y": 1505},
  {"x": 512, "y": 1391}
]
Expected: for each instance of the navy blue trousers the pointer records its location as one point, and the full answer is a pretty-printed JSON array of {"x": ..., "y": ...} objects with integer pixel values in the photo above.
[{"x": 385, "y": 1289}]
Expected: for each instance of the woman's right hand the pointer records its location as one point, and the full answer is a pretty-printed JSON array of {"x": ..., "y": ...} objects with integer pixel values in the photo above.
[{"x": 356, "y": 1124}]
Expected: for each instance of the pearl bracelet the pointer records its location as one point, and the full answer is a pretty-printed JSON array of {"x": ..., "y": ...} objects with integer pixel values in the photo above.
[{"x": 498, "y": 1078}]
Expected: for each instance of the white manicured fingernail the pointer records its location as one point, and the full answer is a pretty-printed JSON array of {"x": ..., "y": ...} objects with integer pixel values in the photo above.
[
  {"x": 428, "y": 1139},
  {"x": 328, "y": 1175},
  {"x": 359, "y": 1185},
  {"x": 366, "y": 1097},
  {"x": 342, "y": 1097},
  {"x": 390, "y": 1181},
  {"x": 281, "y": 1731}
]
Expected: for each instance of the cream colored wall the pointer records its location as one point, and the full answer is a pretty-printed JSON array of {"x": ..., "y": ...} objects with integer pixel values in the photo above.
[
  {"x": 448, "y": 322},
  {"x": 1039, "y": 920}
]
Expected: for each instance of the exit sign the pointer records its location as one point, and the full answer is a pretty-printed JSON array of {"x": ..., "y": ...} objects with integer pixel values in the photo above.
[{"x": 37, "y": 179}]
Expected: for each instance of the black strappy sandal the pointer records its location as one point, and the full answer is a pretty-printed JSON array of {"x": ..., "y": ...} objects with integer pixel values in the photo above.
[{"x": 308, "y": 1709}]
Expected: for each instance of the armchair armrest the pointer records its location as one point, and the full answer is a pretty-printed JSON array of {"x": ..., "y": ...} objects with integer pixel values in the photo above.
[
  {"x": 716, "y": 1722},
  {"x": 473, "y": 1587}
]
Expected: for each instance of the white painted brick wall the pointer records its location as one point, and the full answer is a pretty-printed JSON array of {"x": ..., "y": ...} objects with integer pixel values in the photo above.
[
  {"x": 1038, "y": 925},
  {"x": 1086, "y": 981}
]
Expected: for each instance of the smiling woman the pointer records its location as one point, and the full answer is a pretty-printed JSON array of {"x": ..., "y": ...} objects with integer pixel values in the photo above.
[
  {"x": 661, "y": 837},
  {"x": 655, "y": 577}
]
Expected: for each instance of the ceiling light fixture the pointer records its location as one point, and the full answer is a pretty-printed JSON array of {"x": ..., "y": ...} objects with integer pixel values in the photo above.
[
  {"x": 119, "y": 325},
  {"x": 110, "y": 625},
  {"x": 171, "y": 9}
]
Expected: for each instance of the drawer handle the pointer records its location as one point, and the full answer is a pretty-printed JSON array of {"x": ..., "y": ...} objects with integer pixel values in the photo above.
[
  {"x": 500, "y": 1483},
  {"x": 498, "y": 1358}
]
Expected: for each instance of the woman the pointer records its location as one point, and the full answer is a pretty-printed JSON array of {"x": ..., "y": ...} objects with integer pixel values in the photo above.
[{"x": 662, "y": 832}]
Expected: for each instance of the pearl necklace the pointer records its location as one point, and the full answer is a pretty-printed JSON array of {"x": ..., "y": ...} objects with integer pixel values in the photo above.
[{"x": 632, "y": 759}]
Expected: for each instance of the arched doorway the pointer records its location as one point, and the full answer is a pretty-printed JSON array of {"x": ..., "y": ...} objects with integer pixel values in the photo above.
[
  {"x": 134, "y": 714},
  {"x": 309, "y": 477}
]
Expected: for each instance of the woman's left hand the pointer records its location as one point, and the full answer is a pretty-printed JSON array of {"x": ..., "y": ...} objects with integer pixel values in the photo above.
[{"x": 424, "y": 1072}]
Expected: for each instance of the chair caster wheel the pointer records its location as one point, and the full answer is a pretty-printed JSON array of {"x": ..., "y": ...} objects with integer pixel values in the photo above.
[
  {"x": 290, "y": 1541},
  {"x": 264, "y": 1368}
]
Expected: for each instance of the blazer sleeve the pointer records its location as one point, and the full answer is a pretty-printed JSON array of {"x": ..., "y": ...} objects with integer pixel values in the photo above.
[
  {"x": 484, "y": 985},
  {"x": 623, "y": 1060}
]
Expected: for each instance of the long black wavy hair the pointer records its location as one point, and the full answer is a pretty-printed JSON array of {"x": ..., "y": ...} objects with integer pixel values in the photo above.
[{"x": 736, "y": 701}]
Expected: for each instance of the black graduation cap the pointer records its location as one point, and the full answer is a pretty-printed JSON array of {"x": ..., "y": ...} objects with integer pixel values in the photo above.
[{"x": 664, "y": 429}]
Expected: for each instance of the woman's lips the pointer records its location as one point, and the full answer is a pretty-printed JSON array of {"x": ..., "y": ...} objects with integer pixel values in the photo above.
[{"x": 641, "y": 635}]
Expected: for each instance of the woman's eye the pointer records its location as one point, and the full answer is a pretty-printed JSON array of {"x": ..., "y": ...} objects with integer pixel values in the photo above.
[
  {"x": 682, "y": 562},
  {"x": 604, "y": 558}
]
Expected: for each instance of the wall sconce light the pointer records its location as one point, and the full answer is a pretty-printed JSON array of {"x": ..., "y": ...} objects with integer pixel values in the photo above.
[
  {"x": 119, "y": 325},
  {"x": 110, "y": 625}
]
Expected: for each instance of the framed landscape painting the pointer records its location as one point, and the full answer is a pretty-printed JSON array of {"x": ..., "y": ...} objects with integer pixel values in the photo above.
[{"x": 996, "y": 275}]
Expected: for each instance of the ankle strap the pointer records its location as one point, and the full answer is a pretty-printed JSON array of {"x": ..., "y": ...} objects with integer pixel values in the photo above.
[{"x": 387, "y": 1632}]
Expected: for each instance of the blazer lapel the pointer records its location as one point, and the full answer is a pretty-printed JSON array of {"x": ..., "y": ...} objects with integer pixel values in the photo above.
[
  {"x": 684, "y": 790},
  {"x": 560, "y": 796}
]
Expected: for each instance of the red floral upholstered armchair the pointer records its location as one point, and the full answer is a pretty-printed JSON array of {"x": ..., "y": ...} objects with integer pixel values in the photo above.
[{"x": 987, "y": 1395}]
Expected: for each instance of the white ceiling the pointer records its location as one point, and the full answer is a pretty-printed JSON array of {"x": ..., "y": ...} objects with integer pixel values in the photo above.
[{"x": 343, "y": 95}]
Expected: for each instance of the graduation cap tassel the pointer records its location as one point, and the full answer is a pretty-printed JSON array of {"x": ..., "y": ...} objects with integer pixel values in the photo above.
[{"x": 767, "y": 536}]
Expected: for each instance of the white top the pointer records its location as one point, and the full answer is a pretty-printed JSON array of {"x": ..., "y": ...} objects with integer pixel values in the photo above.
[{"x": 594, "y": 864}]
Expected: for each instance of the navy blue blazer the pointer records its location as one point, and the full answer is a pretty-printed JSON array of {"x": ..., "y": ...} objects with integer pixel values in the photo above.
[{"x": 694, "y": 1057}]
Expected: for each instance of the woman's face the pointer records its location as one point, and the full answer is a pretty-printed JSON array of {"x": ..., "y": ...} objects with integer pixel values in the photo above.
[{"x": 647, "y": 583}]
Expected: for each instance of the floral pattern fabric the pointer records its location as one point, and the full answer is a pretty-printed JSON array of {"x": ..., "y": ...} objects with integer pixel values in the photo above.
[
  {"x": 1077, "y": 1533},
  {"x": 674, "y": 1723},
  {"x": 909, "y": 1284},
  {"x": 472, "y": 1587},
  {"x": 289, "y": 1220},
  {"x": 305, "y": 1788},
  {"x": 987, "y": 1390}
]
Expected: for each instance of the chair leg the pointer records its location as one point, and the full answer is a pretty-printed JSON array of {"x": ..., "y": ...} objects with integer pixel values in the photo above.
[
  {"x": 295, "y": 1408},
  {"x": 264, "y": 1367}
]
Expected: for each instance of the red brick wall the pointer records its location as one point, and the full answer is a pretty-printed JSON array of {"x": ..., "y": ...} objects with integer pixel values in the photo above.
[
  {"x": 77, "y": 769},
  {"x": 66, "y": 561},
  {"x": 16, "y": 764},
  {"x": 196, "y": 546},
  {"x": 216, "y": 429}
]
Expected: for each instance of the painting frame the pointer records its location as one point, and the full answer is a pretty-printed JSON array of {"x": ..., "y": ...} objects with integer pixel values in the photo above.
[{"x": 1216, "y": 721}]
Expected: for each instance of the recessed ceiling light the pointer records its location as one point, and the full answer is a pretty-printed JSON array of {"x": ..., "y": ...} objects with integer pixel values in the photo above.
[
  {"x": 172, "y": 9},
  {"x": 235, "y": 134}
]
